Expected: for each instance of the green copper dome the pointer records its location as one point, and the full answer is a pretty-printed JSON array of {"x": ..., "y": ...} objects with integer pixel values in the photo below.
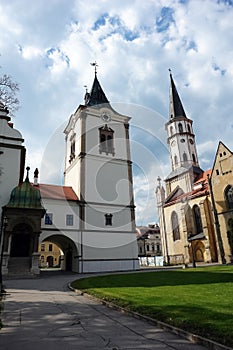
[{"x": 25, "y": 195}]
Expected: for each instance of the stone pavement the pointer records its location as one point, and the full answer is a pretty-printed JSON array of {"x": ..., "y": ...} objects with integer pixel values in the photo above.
[{"x": 44, "y": 314}]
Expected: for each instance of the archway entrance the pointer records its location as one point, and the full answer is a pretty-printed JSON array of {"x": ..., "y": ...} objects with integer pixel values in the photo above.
[{"x": 69, "y": 256}]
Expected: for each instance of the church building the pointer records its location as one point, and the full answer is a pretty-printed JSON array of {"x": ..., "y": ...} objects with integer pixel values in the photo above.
[{"x": 189, "y": 232}]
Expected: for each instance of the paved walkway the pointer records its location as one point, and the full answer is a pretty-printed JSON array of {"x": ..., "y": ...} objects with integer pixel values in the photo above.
[{"x": 44, "y": 314}]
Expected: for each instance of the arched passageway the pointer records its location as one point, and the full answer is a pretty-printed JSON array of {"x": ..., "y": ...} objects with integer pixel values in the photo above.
[{"x": 69, "y": 252}]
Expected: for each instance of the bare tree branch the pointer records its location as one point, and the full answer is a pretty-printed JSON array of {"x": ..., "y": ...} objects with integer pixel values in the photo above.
[{"x": 8, "y": 93}]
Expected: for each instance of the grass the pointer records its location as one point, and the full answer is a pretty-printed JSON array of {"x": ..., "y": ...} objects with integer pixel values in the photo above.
[{"x": 197, "y": 300}]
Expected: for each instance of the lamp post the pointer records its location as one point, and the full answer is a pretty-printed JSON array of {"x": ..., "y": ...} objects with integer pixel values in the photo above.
[{"x": 4, "y": 223}]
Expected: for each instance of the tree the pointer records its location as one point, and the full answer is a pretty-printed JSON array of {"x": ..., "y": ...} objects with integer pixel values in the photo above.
[{"x": 8, "y": 93}]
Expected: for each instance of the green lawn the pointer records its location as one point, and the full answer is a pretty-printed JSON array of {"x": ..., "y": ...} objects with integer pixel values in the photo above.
[{"x": 198, "y": 300}]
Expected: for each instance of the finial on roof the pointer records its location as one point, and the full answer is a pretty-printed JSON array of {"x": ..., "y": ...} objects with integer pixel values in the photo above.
[
  {"x": 27, "y": 177},
  {"x": 159, "y": 180},
  {"x": 94, "y": 64}
]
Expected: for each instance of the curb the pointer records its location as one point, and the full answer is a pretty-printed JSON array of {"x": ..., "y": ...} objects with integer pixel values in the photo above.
[{"x": 210, "y": 344}]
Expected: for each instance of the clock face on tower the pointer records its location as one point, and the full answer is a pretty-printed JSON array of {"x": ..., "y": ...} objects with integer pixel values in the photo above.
[{"x": 105, "y": 117}]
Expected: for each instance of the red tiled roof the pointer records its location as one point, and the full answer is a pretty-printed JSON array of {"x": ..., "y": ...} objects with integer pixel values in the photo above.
[
  {"x": 57, "y": 192},
  {"x": 203, "y": 176},
  {"x": 202, "y": 188}
]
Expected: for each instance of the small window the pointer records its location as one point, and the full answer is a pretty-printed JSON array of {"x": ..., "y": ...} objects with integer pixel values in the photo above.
[
  {"x": 108, "y": 219},
  {"x": 69, "y": 220},
  {"x": 171, "y": 130},
  {"x": 158, "y": 247},
  {"x": 220, "y": 154},
  {"x": 50, "y": 247},
  {"x": 224, "y": 153},
  {"x": 194, "y": 158},
  {"x": 48, "y": 219},
  {"x": 175, "y": 160},
  {"x": 42, "y": 247},
  {"x": 189, "y": 129},
  {"x": 152, "y": 247},
  {"x": 148, "y": 247},
  {"x": 217, "y": 172}
]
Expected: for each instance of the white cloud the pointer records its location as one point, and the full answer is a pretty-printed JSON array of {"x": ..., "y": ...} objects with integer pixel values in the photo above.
[{"x": 134, "y": 43}]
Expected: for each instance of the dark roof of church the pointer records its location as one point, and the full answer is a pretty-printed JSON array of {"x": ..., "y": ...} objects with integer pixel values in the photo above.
[
  {"x": 197, "y": 171},
  {"x": 96, "y": 96},
  {"x": 176, "y": 107}
]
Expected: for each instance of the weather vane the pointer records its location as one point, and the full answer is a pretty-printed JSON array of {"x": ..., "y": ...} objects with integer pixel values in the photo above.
[{"x": 94, "y": 64}]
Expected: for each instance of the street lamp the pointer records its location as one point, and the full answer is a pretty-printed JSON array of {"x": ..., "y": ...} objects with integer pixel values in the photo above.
[{"x": 4, "y": 223}]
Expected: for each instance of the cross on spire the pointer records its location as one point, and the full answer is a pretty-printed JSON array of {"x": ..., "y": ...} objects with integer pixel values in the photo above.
[{"x": 94, "y": 64}]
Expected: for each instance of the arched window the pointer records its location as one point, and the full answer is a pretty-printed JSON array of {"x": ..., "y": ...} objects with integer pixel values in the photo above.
[
  {"x": 175, "y": 160},
  {"x": 180, "y": 127},
  {"x": 194, "y": 158},
  {"x": 185, "y": 157},
  {"x": 106, "y": 140},
  {"x": 171, "y": 130},
  {"x": 197, "y": 218},
  {"x": 229, "y": 196},
  {"x": 175, "y": 226},
  {"x": 189, "y": 129}
]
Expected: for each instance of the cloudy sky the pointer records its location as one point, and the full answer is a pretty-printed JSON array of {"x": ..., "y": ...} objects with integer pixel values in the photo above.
[{"x": 47, "y": 47}]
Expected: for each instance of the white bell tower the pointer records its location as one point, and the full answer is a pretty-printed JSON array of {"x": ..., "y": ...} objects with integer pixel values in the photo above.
[{"x": 98, "y": 166}]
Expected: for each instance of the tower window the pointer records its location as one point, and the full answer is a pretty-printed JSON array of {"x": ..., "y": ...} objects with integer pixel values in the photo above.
[
  {"x": 50, "y": 247},
  {"x": 189, "y": 129},
  {"x": 175, "y": 160},
  {"x": 106, "y": 140},
  {"x": 108, "y": 219},
  {"x": 229, "y": 196},
  {"x": 171, "y": 130},
  {"x": 217, "y": 172},
  {"x": 180, "y": 127},
  {"x": 72, "y": 148},
  {"x": 185, "y": 157},
  {"x": 175, "y": 226}
]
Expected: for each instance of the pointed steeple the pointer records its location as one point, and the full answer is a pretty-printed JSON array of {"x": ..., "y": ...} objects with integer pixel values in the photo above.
[
  {"x": 97, "y": 95},
  {"x": 176, "y": 107}
]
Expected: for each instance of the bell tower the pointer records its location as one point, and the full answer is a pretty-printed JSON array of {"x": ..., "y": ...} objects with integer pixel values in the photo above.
[
  {"x": 98, "y": 167},
  {"x": 181, "y": 141}
]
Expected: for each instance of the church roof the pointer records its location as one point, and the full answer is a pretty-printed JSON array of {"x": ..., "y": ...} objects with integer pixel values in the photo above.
[
  {"x": 57, "y": 192},
  {"x": 176, "y": 107},
  {"x": 96, "y": 96},
  {"x": 181, "y": 170},
  {"x": 200, "y": 188},
  {"x": 25, "y": 195}
]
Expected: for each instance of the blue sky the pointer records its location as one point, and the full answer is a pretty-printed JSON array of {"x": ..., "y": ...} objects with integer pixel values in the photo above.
[{"x": 47, "y": 48}]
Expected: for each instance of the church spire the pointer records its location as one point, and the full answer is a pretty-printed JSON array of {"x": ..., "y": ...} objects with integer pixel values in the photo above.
[
  {"x": 176, "y": 107},
  {"x": 97, "y": 95}
]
